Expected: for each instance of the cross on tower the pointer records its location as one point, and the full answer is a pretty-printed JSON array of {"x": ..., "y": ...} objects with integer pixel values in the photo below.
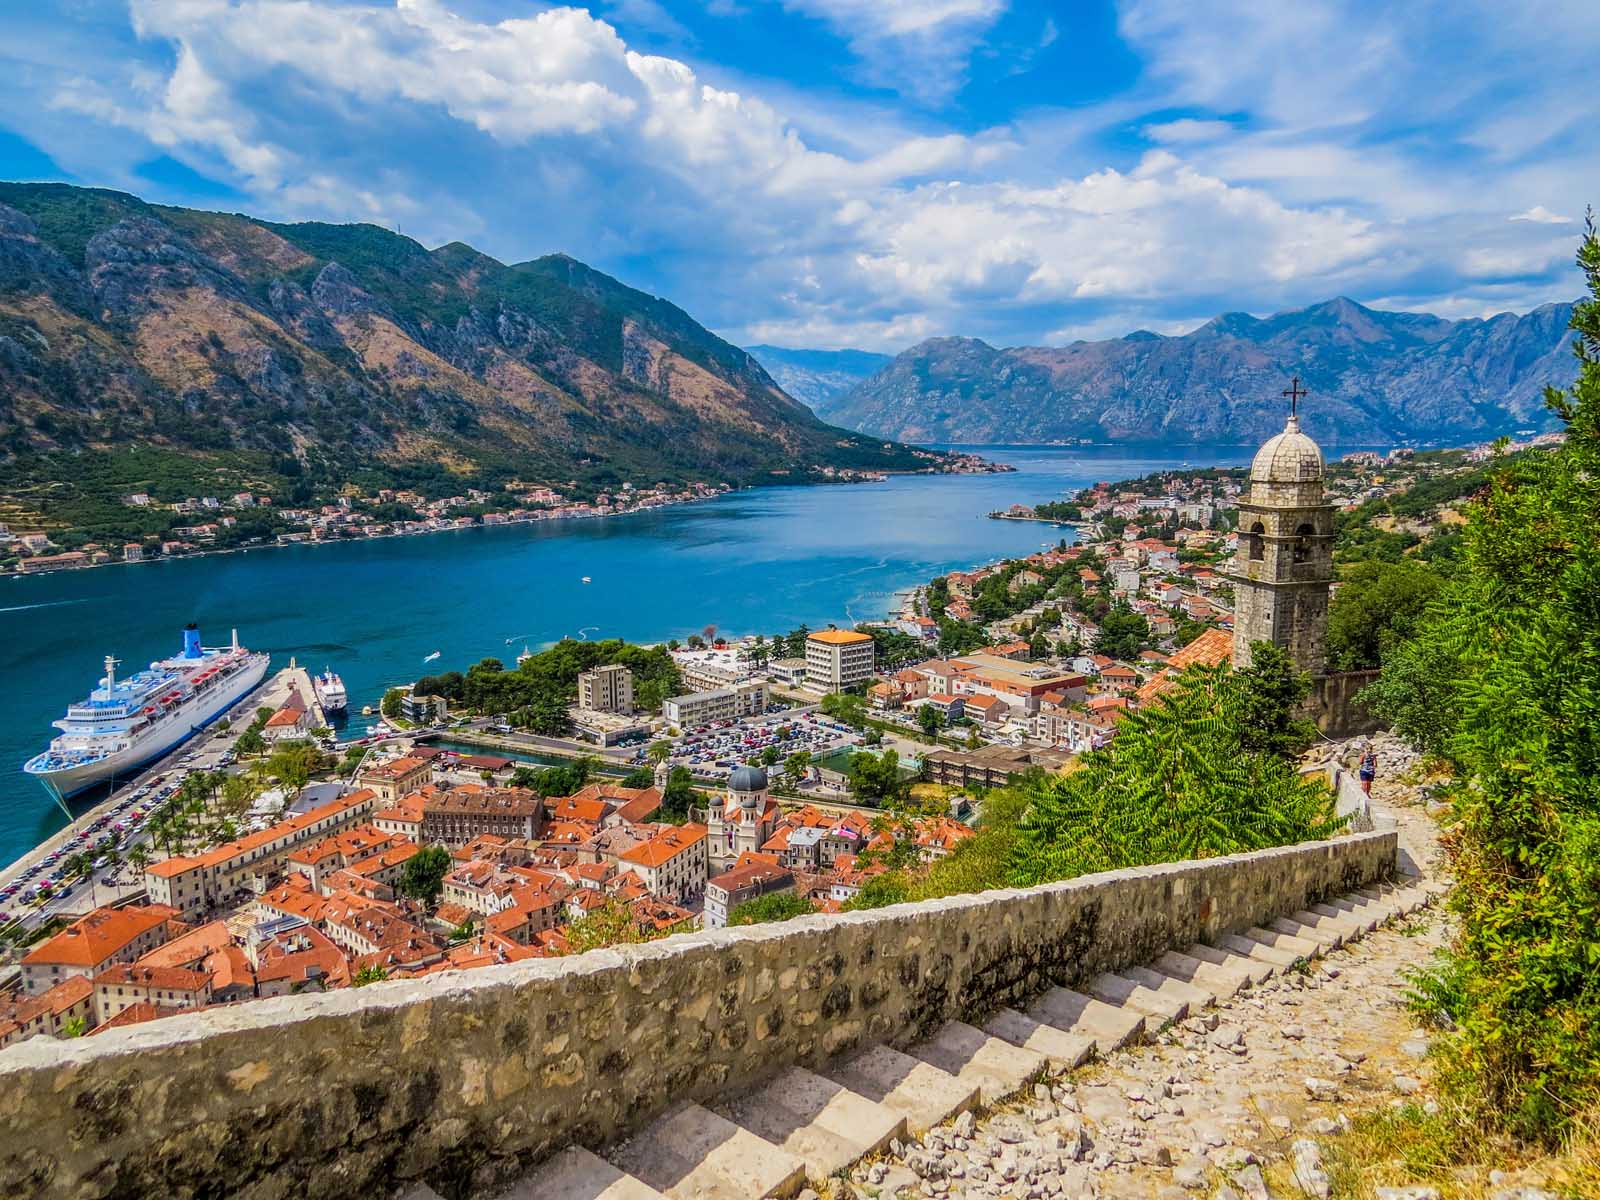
[{"x": 1295, "y": 393}]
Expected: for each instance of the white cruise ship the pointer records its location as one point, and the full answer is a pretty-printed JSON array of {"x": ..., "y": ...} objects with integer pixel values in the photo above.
[
  {"x": 330, "y": 693},
  {"x": 125, "y": 723}
]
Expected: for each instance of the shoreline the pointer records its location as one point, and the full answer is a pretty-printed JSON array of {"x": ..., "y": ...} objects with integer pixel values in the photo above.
[{"x": 479, "y": 523}]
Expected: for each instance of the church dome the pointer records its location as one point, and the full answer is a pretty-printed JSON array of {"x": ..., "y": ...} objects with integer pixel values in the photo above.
[
  {"x": 747, "y": 779},
  {"x": 1288, "y": 457}
]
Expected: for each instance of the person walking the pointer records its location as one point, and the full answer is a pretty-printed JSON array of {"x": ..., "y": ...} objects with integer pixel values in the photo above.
[{"x": 1369, "y": 768}]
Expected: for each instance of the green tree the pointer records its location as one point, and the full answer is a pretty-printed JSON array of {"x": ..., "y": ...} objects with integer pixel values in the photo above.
[
  {"x": 1123, "y": 633},
  {"x": 797, "y": 764},
  {"x": 1177, "y": 783},
  {"x": 639, "y": 777},
  {"x": 423, "y": 876},
  {"x": 1517, "y": 633},
  {"x": 368, "y": 974},
  {"x": 1378, "y": 606},
  {"x": 74, "y": 1027},
  {"x": 774, "y": 906},
  {"x": 659, "y": 751},
  {"x": 389, "y": 706},
  {"x": 679, "y": 796},
  {"x": 1269, "y": 694},
  {"x": 930, "y": 720},
  {"x": 845, "y": 707},
  {"x": 875, "y": 778}
]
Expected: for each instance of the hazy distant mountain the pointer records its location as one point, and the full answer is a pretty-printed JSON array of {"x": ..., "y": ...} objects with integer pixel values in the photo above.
[
  {"x": 1373, "y": 376},
  {"x": 336, "y": 349},
  {"x": 816, "y": 376}
]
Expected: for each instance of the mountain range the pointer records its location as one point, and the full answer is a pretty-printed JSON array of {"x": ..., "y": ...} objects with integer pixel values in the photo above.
[
  {"x": 1373, "y": 376},
  {"x": 326, "y": 350},
  {"x": 816, "y": 376}
]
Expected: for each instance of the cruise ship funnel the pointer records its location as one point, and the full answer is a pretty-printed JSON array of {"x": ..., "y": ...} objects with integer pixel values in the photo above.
[{"x": 191, "y": 641}]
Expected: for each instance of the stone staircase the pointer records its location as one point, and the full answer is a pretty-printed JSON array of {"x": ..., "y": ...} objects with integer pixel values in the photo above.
[{"x": 804, "y": 1125}]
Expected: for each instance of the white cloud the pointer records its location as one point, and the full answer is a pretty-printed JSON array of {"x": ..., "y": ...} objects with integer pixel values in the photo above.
[
  {"x": 1542, "y": 216},
  {"x": 921, "y": 47},
  {"x": 1187, "y": 129},
  {"x": 775, "y": 215}
]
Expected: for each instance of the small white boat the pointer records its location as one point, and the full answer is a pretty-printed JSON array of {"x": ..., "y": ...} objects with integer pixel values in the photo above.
[
  {"x": 433, "y": 656},
  {"x": 586, "y": 579}
]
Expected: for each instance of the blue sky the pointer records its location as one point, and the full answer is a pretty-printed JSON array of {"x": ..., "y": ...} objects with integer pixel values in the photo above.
[{"x": 865, "y": 172}]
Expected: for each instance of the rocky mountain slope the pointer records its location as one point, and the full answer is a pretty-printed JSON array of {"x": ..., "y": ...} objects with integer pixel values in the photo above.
[
  {"x": 816, "y": 376},
  {"x": 1373, "y": 376},
  {"x": 333, "y": 349}
]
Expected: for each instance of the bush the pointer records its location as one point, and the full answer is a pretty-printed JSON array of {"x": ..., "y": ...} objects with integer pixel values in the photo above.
[
  {"x": 774, "y": 906},
  {"x": 1516, "y": 644}
]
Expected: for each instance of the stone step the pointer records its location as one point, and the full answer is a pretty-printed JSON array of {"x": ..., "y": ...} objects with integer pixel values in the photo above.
[
  {"x": 1343, "y": 931},
  {"x": 996, "y": 1066},
  {"x": 1064, "y": 1050},
  {"x": 1223, "y": 982},
  {"x": 1360, "y": 920},
  {"x": 1394, "y": 900},
  {"x": 1119, "y": 989},
  {"x": 1300, "y": 947},
  {"x": 1368, "y": 914},
  {"x": 1279, "y": 958},
  {"x": 1257, "y": 970},
  {"x": 693, "y": 1154},
  {"x": 818, "y": 1120},
  {"x": 575, "y": 1174},
  {"x": 1110, "y": 1025},
  {"x": 918, "y": 1091},
  {"x": 1196, "y": 994},
  {"x": 1321, "y": 941}
]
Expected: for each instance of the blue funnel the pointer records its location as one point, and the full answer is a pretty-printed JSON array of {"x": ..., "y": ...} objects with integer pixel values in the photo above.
[{"x": 191, "y": 641}]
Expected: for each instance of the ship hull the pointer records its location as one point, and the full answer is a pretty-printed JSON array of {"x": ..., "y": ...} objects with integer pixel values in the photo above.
[{"x": 179, "y": 728}]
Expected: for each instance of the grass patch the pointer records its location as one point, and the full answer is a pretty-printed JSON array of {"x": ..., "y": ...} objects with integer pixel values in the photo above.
[{"x": 1405, "y": 1147}]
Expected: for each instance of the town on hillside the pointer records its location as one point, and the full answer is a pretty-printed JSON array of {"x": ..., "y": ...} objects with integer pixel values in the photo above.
[{"x": 601, "y": 792}]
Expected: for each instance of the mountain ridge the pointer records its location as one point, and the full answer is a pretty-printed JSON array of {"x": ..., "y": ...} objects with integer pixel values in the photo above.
[
  {"x": 1374, "y": 375},
  {"x": 329, "y": 351}
]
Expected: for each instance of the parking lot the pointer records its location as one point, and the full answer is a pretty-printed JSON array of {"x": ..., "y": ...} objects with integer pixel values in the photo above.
[{"x": 711, "y": 752}]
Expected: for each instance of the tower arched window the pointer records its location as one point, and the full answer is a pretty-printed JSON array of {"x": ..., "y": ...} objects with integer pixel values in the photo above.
[
  {"x": 1258, "y": 545},
  {"x": 1302, "y": 543}
]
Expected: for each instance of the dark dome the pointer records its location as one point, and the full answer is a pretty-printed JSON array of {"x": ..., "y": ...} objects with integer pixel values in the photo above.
[{"x": 747, "y": 779}]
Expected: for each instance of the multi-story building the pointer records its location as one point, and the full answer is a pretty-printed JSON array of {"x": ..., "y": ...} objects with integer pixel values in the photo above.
[
  {"x": 423, "y": 710},
  {"x": 398, "y": 777},
  {"x": 606, "y": 689},
  {"x": 673, "y": 864},
  {"x": 744, "y": 883},
  {"x": 456, "y": 816},
  {"x": 745, "y": 699},
  {"x": 94, "y": 942},
  {"x": 837, "y": 658},
  {"x": 191, "y": 884},
  {"x": 127, "y": 984}
]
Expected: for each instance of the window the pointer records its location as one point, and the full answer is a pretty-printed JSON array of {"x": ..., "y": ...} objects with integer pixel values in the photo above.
[
  {"x": 1257, "y": 543},
  {"x": 1302, "y": 543}
]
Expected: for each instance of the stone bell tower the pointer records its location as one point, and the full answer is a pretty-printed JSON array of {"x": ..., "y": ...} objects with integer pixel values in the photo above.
[{"x": 1284, "y": 566}]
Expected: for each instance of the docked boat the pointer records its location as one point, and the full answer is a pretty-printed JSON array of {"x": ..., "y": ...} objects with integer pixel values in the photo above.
[
  {"x": 125, "y": 723},
  {"x": 330, "y": 693}
]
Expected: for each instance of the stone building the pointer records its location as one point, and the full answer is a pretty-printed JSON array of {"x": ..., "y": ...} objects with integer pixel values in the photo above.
[
  {"x": 742, "y": 822},
  {"x": 1284, "y": 566}
]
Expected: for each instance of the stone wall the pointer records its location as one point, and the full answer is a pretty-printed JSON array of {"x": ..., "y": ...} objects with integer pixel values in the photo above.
[
  {"x": 1334, "y": 707},
  {"x": 465, "y": 1079}
]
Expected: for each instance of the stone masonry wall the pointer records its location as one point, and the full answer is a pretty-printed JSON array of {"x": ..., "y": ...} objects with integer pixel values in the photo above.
[{"x": 465, "y": 1079}]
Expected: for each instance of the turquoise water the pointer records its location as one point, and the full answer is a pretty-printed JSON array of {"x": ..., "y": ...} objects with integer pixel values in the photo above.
[{"x": 760, "y": 561}]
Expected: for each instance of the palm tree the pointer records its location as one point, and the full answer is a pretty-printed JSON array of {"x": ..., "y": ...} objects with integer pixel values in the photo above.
[
  {"x": 138, "y": 858},
  {"x": 659, "y": 752},
  {"x": 80, "y": 864}
]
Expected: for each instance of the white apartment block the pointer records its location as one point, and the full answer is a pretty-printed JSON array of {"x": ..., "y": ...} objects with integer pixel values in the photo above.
[
  {"x": 837, "y": 658},
  {"x": 606, "y": 689}
]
